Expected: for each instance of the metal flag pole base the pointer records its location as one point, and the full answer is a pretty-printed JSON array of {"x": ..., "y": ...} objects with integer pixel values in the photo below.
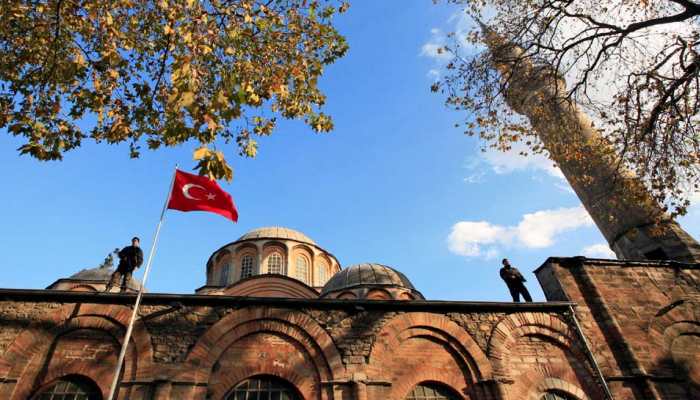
[{"x": 139, "y": 296}]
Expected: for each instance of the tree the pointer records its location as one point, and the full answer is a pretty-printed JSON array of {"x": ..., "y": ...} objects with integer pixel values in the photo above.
[
  {"x": 633, "y": 65},
  {"x": 162, "y": 73}
]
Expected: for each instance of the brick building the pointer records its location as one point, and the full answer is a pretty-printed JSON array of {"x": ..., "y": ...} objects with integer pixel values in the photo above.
[{"x": 279, "y": 319}]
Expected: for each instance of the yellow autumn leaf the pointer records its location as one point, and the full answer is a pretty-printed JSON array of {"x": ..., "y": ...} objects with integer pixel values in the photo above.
[
  {"x": 200, "y": 153},
  {"x": 186, "y": 99}
]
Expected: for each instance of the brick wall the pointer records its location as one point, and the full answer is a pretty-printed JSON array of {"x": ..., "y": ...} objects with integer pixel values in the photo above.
[
  {"x": 348, "y": 351},
  {"x": 634, "y": 314}
]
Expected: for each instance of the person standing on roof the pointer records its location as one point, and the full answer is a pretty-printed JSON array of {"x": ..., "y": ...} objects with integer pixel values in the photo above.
[{"x": 515, "y": 282}]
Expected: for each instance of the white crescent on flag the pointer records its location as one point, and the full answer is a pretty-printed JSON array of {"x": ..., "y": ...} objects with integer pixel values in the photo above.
[{"x": 186, "y": 190}]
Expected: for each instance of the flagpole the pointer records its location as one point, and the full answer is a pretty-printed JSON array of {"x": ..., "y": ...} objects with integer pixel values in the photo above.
[{"x": 130, "y": 327}]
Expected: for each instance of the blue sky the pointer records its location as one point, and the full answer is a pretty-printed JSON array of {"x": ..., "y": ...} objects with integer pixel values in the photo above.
[{"x": 394, "y": 183}]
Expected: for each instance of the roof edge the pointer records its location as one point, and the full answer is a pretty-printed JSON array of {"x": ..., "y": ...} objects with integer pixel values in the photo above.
[
  {"x": 63, "y": 296},
  {"x": 617, "y": 262}
]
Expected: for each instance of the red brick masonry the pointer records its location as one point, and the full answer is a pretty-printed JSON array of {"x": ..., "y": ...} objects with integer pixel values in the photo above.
[{"x": 641, "y": 320}]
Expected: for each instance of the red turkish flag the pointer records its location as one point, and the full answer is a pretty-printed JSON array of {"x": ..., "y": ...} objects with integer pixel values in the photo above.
[{"x": 199, "y": 193}]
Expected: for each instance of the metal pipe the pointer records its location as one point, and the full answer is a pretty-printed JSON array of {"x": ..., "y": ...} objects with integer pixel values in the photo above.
[{"x": 589, "y": 352}]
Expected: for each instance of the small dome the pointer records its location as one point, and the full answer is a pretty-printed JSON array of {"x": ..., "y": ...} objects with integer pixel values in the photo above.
[
  {"x": 367, "y": 274},
  {"x": 276, "y": 232},
  {"x": 93, "y": 274},
  {"x": 101, "y": 274}
]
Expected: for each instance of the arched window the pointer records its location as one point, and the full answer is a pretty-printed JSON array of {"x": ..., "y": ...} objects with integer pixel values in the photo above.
[
  {"x": 263, "y": 388},
  {"x": 224, "y": 274},
  {"x": 322, "y": 274},
  {"x": 246, "y": 266},
  {"x": 274, "y": 263},
  {"x": 302, "y": 270},
  {"x": 70, "y": 387},
  {"x": 556, "y": 395},
  {"x": 431, "y": 391}
]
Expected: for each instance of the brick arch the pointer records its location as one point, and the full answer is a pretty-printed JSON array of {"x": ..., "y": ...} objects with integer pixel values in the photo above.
[
  {"x": 27, "y": 355},
  {"x": 673, "y": 331},
  {"x": 401, "y": 388},
  {"x": 559, "y": 385},
  {"x": 294, "y": 325},
  {"x": 516, "y": 325},
  {"x": 684, "y": 312},
  {"x": 551, "y": 329},
  {"x": 309, "y": 251},
  {"x": 272, "y": 246},
  {"x": 83, "y": 287},
  {"x": 309, "y": 387},
  {"x": 438, "y": 329},
  {"x": 267, "y": 285},
  {"x": 443, "y": 329},
  {"x": 378, "y": 294},
  {"x": 667, "y": 324}
]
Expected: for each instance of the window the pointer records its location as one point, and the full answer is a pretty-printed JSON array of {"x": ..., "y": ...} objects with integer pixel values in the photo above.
[
  {"x": 246, "y": 266},
  {"x": 556, "y": 396},
  {"x": 322, "y": 270},
  {"x": 302, "y": 269},
  {"x": 263, "y": 388},
  {"x": 274, "y": 264},
  {"x": 224, "y": 274},
  {"x": 431, "y": 391},
  {"x": 70, "y": 388}
]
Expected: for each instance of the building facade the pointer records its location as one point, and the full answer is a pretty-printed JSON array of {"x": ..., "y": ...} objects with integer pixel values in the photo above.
[{"x": 279, "y": 318}]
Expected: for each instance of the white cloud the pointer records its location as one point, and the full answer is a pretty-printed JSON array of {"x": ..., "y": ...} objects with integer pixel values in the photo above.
[
  {"x": 535, "y": 230},
  {"x": 458, "y": 24},
  {"x": 502, "y": 163},
  {"x": 467, "y": 237},
  {"x": 433, "y": 47},
  {"x": 598, "y": 250},
  {"x": 511, "y": 161},
  {"x": 434, "y": 74}
]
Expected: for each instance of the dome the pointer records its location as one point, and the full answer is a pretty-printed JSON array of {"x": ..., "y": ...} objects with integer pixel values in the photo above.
[
  {"x": 93, "y": 274},
  {"x": 270, "y": 250},
  {"x": 276, "y": 232},
  {"x": 101, "y": 274},
  {"x": 365, "y": 275}
]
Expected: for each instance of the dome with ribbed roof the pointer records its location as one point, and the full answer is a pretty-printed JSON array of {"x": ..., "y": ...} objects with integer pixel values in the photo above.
[
  {"x": 271, "y": 250},
  {"x": 96, "y": 278},
  {"x": 276, "y": 232},
  {"x": 367, "y": 276},
  {"x": 101, "y": 274}
]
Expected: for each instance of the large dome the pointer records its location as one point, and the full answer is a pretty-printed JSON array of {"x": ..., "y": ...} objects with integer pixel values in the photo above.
[
  {"x": 272, "y": 250},
  {"x": 367, "y": 276},
  {"x": 276, "y": 232}
]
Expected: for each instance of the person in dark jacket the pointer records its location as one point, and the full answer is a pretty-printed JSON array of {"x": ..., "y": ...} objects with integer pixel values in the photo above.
[
  {"x": 515, "y": 281},
  {"x": 130, "y": 258}
]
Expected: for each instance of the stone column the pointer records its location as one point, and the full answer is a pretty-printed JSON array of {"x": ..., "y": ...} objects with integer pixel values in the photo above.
[{"x": 617, "y": 201}]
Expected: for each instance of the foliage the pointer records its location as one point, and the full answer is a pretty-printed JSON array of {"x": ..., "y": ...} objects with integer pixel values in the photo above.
[
  {"x": 633, "y": 65},
  {"x": 162, "y": 73}
]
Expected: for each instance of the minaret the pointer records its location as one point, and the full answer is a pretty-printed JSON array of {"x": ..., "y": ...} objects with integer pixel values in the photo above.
[{"x": 617, "y": 201}]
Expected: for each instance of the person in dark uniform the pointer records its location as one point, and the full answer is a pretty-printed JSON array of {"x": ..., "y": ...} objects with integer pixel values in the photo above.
[
  {"x": 514, "y": 279},
  {"x": 130, "y": 258}
]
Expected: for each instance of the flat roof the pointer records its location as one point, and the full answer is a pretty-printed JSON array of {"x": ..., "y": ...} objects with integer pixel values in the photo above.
[
  {"x": 621, "y": 263},
  {"x": 64, "y": 296}
]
